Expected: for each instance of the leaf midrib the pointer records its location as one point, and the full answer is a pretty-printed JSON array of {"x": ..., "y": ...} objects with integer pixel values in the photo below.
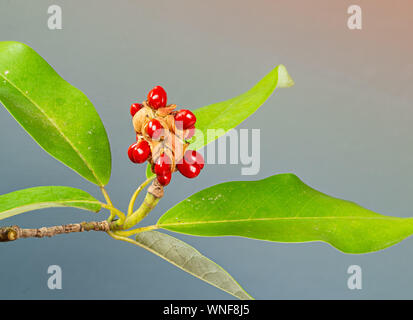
[
  {"x": 52, "y": 203},
  {"x": 275, "y": 219},
  {"x": 57, "y": 128}
]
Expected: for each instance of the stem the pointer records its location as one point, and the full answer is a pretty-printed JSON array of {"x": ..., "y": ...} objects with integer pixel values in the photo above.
[
  {"x": 113, "y": 211},
  {"x": 121, "y": 215},
  {"x": 106, "y": 195},
  {"x": 15, "y": 232},
  {"x": 154, "y": 194},
  {"x": 109, "y": 202},
  {"x": 135, "y": 195},
  {"x": 147, "y": 205},
  {"x": 128, "y": 233},
  {"x": 117, "y": 237}
]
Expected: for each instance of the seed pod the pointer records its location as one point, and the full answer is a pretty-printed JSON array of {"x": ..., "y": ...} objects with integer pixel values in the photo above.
[
  {"x": 171, "y": 142},
  {"x": 177, "y": 146},
  {"x": 157, "y": 148},
  {"x": 170, "y": 122},
  {"x": 161, "y": 112},
  {"x": 141, "y": 118}
]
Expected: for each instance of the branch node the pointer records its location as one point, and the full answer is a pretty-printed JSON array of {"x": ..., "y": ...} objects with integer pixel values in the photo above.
[
  {"x": 13, "y": 233},
  {"x": 156, "y": 189}
]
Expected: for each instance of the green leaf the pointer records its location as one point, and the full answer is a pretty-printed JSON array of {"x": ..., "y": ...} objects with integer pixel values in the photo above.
[
  {"x": 228, "y": 114},
  {"x": 187, "y": 258},
  {"x": 59, "y": 117},
  {"x": 21, "y": 201},
  {"x": 282, "y": 208}
]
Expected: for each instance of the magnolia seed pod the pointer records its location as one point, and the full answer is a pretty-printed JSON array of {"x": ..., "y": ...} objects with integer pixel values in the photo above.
[
  {"x": 170, "y": 123},
  {"x": 171, "y": 142},
  {"x": 141, "y": 118},
  {"x": 161, "y": 112},
  {"x": 164, "y": 123},
  {"x": 177, "y": 146},
  {"x": 160, "y": 149},
  {"x": 157, "y": 147}
]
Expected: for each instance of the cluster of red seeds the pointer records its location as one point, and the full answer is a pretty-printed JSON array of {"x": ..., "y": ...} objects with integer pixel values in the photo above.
[{"x": 162, "y": 137}]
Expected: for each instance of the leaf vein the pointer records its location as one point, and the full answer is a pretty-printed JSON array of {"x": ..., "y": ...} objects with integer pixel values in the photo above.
[
  {"x": 56, "y": 126},
  {"x": 275, "y": 219}
]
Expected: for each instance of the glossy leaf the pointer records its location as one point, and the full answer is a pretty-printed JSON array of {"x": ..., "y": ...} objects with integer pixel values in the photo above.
[
  {"x": 185, "y": 257},
  {"x": 282, "y": 208},
  {"x": 228, "y": 114},
  {"x": 59, "y": 117},
  {"x": 21, "y": 201}
]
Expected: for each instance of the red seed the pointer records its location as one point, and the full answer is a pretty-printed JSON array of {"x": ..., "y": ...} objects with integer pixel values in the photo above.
[
  {"x": 194, "y": 157},
  {"x": 191, "y": 164},
  {"x": 190, "y": 133},
  {"x": 131, "y": 151},
  {"x": 154, "y": 129},
  {"x": 157, "y": 97},
  {"x": 139, "y": 151},
  {"x": 188, "y": 170},
  {"x": 184, "y": 119},
  {"x": 135, "y": 107},
  {"x": 142, "y": 151},
  {"x": 162, "y": 165},
  {"x": 165, "y": 178}
]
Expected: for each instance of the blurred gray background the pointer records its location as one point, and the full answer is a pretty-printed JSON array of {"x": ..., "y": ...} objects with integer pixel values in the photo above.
[{"x": 344, "y": 128}]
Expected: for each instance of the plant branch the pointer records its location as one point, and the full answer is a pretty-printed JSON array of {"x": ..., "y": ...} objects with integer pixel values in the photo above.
[
  {"x": 109, "y": 202},
  {"x": 13, "y": 233},
  {"x": 135, "y": 195},
  {"x": 121, "y": 215},
  {"x": 154, "y": 194},
  {"x": 128, "y": 233}
]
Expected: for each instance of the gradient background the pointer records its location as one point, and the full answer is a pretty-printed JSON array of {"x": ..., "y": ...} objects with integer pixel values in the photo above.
[{"x": 345, "y": 129}]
